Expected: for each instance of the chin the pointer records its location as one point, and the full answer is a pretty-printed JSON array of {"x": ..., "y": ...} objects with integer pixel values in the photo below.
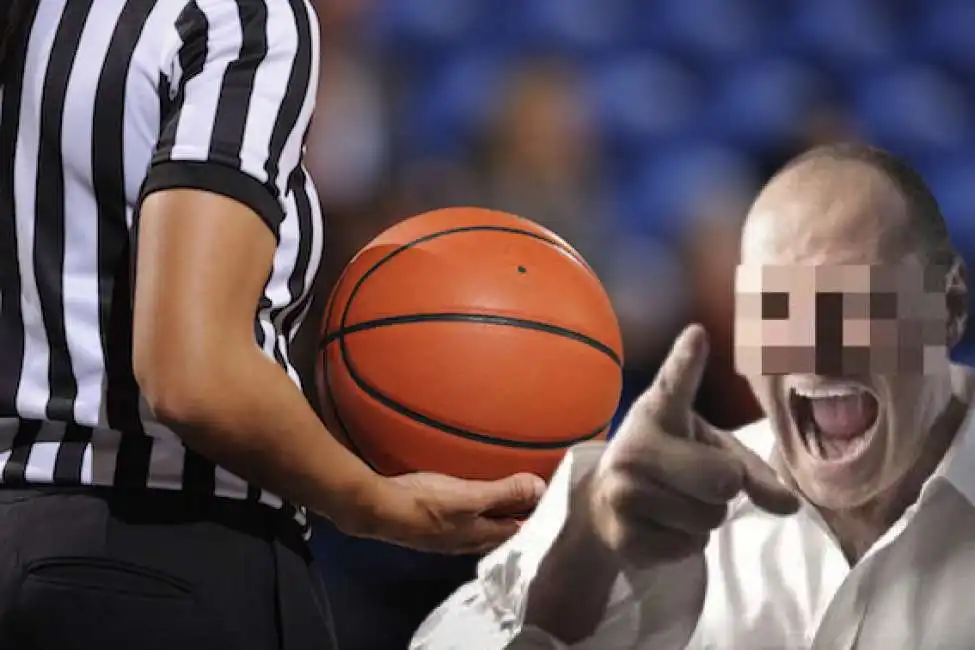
[
  {"x": 833, "y": 470},
  {"x": 830, "y": 496}
]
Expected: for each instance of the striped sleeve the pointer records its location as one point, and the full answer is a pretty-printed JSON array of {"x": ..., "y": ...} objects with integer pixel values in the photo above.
[{"x": 237, "y": 98}]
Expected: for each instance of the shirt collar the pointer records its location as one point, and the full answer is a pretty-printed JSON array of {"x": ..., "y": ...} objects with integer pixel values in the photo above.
[{"x": 957, "y": 468}]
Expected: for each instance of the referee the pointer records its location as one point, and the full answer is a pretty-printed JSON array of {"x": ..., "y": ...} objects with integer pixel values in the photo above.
[{"x": 159, "y": 238}]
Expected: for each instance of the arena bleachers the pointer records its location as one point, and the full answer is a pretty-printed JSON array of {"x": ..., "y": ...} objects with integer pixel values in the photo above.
[{"x": 685, "y": 90}]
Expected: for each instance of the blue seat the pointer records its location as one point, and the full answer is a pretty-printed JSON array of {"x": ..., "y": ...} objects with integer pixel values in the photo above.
[
  {"x": 916, "y": 109},
  {"x": 946, "y": 31},
  {"x": 445, "y": 112},
  {"x": 573, "y": 25},
  {"x": 848, "y": 33},
  {"x": 764, "y": 102},
  {"x": 712, "y": 29},
  {"x": 421, "y": 24},
  {"x": 674, "y": 178},
  {"x": 953, "y": 184},
  {"x": 643, "y": 98}
]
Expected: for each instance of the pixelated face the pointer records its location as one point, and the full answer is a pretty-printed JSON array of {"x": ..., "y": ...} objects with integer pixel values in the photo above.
[
  {"x": 843, "y": 320},
  {"x": 841, "y": 357}
]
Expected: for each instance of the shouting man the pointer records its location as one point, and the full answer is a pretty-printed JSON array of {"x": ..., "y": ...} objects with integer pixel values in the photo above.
[{"x": 845, "y": 519}]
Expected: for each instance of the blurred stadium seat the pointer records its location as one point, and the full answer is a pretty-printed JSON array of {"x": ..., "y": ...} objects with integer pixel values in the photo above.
[
  {"x": 707, "y": 29},
  {"x": 849, "y": 34},
  {"x": 642, "y": 99},
  {"x": 677, "y": 176},
  {"x": 417, "y": 24},
  {"x": 688, "y": 89},
  {"x": 945, "y": 32},
  {"x": 764, "y": 101},
  {"x": 449, "y": 107},
  {"x": 578, "y": 26},
  {"x": 953, "y": 185},
  {"x": 915, "y": 109}
]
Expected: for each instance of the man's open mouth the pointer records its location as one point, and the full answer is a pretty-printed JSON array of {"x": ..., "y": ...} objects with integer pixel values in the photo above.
[{"x": 834, "y": 422}]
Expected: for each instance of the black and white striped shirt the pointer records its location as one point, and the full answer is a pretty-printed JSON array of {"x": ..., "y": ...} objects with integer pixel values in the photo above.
[{"x": 117, "y": 99}]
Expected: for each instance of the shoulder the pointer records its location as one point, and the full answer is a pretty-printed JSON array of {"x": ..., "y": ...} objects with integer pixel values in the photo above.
[{"x": 278, "y": 18}]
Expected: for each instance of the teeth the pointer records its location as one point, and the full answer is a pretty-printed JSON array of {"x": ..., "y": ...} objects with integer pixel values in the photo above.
[
  {"x": 829, "y": 392},
  {"x": 813, "y": 442}
]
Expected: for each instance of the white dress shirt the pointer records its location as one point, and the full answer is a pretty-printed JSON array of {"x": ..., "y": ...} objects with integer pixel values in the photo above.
[{"x": 772, "y": 583}]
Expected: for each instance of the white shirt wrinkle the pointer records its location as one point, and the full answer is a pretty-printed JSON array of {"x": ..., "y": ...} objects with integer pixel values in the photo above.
[{"x": 772, "y": 583}]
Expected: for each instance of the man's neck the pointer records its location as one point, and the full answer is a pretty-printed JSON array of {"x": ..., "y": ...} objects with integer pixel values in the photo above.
[{"x": 858, "y": 529}]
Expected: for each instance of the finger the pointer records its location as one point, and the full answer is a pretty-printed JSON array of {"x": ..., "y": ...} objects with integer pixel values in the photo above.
[
  {"x": 670, "y": 398},
  {"x": 761, "y": 483},
  {"x": 702, "y": 472},
  {"x": 515, "y": 494},
  {"x": 642, "y": 501},
  {"x": 485, "y": 534}
]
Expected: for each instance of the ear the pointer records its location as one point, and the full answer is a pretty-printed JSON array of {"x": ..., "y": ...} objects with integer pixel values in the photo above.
[{"x": 956, "y": 299}]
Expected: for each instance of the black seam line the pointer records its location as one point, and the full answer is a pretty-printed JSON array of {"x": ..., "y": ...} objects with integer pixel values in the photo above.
[
  {"x": 470, "y": 435},
  {"x": 373, "y": 392},
  {"x": 484, "y": 319}
]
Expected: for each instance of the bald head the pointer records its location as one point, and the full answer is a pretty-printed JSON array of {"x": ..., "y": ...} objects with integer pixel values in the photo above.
[{"x": 845, "y": 204}]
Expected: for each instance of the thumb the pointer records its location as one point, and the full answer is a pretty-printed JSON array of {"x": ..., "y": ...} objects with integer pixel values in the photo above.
[
  {"x": 513, "y": 495},
  {"x": 761, "y": 483},
  {"x": 670, "y": 399}
]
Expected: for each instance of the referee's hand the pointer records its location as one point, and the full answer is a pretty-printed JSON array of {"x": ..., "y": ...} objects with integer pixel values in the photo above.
[{"x": 442, "y": 514}]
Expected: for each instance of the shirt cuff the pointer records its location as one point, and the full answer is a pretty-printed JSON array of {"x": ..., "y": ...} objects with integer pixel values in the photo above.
[
  {"x": 508, "y": 574},
  {"x": 219, "y": 179},
  {"x": 656, "y": 608}
]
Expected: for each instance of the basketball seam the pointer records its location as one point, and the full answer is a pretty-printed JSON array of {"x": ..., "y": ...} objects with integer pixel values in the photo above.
[
  {"x": 388, "y": 402},
  {"x": 483, "y": 319}
]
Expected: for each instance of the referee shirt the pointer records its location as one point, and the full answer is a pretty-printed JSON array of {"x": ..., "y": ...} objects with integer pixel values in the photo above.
[{"x": 113, "y": 100}]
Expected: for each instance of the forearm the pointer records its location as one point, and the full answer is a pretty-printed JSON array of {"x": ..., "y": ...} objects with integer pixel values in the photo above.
[
  {"x": 583, "y": 596},
  {"x": 528, "y": 590},
  {"x": 241, "y": 410},
  {"x": 572, "y": 588}
]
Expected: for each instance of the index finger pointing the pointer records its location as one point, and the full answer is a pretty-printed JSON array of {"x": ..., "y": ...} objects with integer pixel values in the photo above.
[
  {"x": 761, "y": 482},
  {"x": 670, "y": 399}
]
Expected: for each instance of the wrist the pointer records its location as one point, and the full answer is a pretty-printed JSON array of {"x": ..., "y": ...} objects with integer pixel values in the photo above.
[
  {"x": 578, "y": 537},
  {"x": 570, "y": 591},
  {"x": 387, "y": 512},
  {"x": 365, "y": 511}
]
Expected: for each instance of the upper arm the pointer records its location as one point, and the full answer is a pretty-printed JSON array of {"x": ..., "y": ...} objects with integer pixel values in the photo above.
[{"x": 242, "y": 88}]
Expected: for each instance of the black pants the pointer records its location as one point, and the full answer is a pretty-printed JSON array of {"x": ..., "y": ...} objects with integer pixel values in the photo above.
[
  {"x": 94, "y": 570},
  {"x": 369, "y": 582}
]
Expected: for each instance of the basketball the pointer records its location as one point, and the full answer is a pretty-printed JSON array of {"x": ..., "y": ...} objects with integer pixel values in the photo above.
[{"x": 468, "y": 342}]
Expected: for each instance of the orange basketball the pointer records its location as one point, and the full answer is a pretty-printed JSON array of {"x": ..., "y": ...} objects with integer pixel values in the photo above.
[{"x": 468, "y": 342}]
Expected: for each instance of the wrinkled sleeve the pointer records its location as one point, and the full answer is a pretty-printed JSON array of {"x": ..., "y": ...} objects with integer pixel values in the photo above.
[{"x": 489, "y": 612}]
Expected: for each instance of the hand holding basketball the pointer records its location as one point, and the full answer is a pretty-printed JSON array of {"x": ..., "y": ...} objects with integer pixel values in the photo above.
[
  {"x": 665, "y": 480},
  {"x": 468, "y": 342},
  {"x": 463, "y": 352},
  {"x": 456, "y": 516}
]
